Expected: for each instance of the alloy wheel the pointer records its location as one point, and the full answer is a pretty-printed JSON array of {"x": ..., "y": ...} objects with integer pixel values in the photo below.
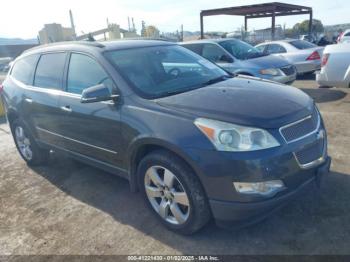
[
  {"x": 23, "y": 143},
  {"x": 167, "y": 195}
]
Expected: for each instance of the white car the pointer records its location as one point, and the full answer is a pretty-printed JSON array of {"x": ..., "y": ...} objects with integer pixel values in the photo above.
[
  {"x": 305, "y": 56},
  {"x": 335, "y": 70},
  {"x": 344, "y": 37}
]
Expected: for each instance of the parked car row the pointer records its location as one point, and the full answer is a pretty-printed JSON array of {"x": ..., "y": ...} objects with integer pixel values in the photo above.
[
  {"x": 197, "y": 142},
  {"x": 278, "y": 61},
  {"x": 305, "y": 56},
  {"x": 239, "y": 57}
]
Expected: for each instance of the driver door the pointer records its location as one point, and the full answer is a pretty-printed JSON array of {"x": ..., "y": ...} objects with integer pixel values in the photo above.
[{"x": 92, "y": 129}]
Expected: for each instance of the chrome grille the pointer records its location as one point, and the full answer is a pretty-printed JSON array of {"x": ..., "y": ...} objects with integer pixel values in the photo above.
[
  {"x": 301, "y": 128},
  {"x": 311, "y": 153},
  {"x": 288, "y": 70}
]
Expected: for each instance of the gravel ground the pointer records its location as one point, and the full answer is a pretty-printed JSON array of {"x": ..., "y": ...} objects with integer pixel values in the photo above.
[{"x": 70, "y": 208}]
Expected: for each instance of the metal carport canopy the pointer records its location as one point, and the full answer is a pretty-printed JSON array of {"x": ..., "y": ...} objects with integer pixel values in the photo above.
[{"x": 259, "y": 11}]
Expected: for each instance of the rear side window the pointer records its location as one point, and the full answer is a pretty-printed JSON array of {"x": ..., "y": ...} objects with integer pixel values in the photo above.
[
  {"x": 301, "y": 44},
  {"x": 275, "y": 49},
  {"x": 347, "y": 34},
  {"x": 23, "y": 69},
  {"x": 49, "y": 71},
  {"x": 212, "y": 52},
  {"x": 197, "y": 48},
  {"x": 261, "y": 48},
  {"x": 84, "y": 72}
]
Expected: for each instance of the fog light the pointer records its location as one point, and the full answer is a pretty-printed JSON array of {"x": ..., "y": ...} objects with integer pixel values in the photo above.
[{"x": 266, "y": 188}]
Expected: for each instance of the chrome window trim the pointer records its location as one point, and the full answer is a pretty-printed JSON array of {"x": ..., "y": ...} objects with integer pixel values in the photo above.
[
  {"x": 46, "y": 90},
  {"x": 51, "y": 91},
  {"x": 297, "y": 122},
  {"x": 77, "y": 141}
]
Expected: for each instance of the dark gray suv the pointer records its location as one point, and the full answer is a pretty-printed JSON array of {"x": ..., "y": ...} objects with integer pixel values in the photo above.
[{"x": 197, "y": 142}]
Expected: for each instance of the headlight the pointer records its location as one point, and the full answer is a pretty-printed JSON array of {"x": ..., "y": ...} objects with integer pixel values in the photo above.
[
  {"x": 270, "y": 71},
  {"x": 235, "y": 138}
]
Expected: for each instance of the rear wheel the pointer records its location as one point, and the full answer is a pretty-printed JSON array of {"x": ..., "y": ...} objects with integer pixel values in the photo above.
[
  {"x": 173, "y": 192},
  {"x": 26, "y": 144}
]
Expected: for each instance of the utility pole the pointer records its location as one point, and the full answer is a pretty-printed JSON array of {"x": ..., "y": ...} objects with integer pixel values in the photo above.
[
  {"x": 72, "y": 24},
  {"x": 182, "y": 33},
  {"x": 133, "y": 25}
]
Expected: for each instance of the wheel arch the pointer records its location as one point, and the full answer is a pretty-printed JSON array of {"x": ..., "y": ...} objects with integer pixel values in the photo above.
[
  {"x": 11, "y": 115},
  {"x": 147, "y": 145}
]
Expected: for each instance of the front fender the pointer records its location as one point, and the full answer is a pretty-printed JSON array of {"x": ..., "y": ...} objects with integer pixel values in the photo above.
[{"x": 141, "y": 145}]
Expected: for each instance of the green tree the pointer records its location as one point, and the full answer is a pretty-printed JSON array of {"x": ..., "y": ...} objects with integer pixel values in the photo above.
[{"x": 303, "y": 27}]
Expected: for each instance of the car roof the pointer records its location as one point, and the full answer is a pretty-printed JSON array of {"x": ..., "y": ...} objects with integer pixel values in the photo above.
[
  {"x": 214, "y": 40},
  {"x": 278, "y": 41},
  {"x": 96, "y": 46}
]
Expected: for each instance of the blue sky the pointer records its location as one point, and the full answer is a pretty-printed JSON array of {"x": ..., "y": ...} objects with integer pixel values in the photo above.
[{"x": 24, "y": 18}]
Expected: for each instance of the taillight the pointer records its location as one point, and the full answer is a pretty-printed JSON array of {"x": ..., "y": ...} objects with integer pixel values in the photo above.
[
  {"x": 324, "y": 59},
  {"x": 314, "y": 56}
]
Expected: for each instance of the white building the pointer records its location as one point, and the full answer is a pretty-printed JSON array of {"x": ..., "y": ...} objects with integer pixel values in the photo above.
[{"x": 55, "y": 33}]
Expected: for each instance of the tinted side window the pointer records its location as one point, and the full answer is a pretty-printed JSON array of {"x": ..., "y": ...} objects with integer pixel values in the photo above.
[
  {"x": 275, "y": 49},
  {"x": 347, "y": 34},
  {"x": 84, "y": 72},
  {"x": 212, "y": 52},
  {"x": 23, "y": 69},
  {"x": 197, "y": 48},
  {"x": 261, "y": 48},
  {"x": 49, "y": 71},
  {"x": 301, "y": 44}
]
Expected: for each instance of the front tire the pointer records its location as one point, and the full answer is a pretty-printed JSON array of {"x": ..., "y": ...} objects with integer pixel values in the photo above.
[
  {"x": 27, "y": 146},
  {"x": 173, "y": 192}
]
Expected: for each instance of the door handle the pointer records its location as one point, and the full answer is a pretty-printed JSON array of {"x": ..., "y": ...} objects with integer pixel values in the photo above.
[
  {"x": 29, "y": 100},
  {"x": 66, "y": 109}
]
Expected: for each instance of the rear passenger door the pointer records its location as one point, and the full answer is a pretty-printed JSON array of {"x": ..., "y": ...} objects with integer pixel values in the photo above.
[
  {"x": 91, "y": 129},
  {"x": 42, "y": 97},
  {"x": 19, "y": 86}
]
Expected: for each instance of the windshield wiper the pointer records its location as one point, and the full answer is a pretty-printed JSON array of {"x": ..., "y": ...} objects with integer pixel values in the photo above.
[
  {"x": 216, "y": 80},
  {"x": 210, "y": 82}
]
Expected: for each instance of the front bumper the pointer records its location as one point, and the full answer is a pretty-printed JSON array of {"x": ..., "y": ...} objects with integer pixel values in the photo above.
[
  {"x": 238, "y": 214},
  {"x": 283, "y": 79},
  {"x": 219, "y": 170}
]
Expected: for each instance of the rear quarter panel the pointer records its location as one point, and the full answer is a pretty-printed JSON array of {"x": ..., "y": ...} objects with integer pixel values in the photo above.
[{"x": 337, "y": 69}]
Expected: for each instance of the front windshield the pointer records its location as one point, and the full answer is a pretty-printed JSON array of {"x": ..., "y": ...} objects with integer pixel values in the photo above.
[
  {"x": 164, "y": 70},
  {"x": 241, "y": 50}
]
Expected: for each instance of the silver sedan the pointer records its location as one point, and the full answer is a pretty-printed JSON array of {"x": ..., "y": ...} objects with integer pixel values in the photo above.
[{"x": 305, "y": 56}]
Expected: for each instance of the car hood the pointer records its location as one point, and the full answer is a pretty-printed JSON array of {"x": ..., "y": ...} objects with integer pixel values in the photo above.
[
  {"x": 244, "y": 100},
  {"x": 265, "y": 62}
]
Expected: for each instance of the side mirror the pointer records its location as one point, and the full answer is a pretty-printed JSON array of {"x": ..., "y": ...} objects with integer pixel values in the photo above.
[
  {"x": 226, "y": 58},
  {"x": 97, "y": 93}
]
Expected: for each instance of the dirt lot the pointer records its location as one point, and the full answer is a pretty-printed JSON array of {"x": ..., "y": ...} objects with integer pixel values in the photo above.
[{"x": 71, "y": 208}]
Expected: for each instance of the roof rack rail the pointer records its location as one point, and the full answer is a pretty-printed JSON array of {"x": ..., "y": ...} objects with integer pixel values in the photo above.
[
  {"x": 87, "y": 43},
  {"x": 149, "y": 38}
]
